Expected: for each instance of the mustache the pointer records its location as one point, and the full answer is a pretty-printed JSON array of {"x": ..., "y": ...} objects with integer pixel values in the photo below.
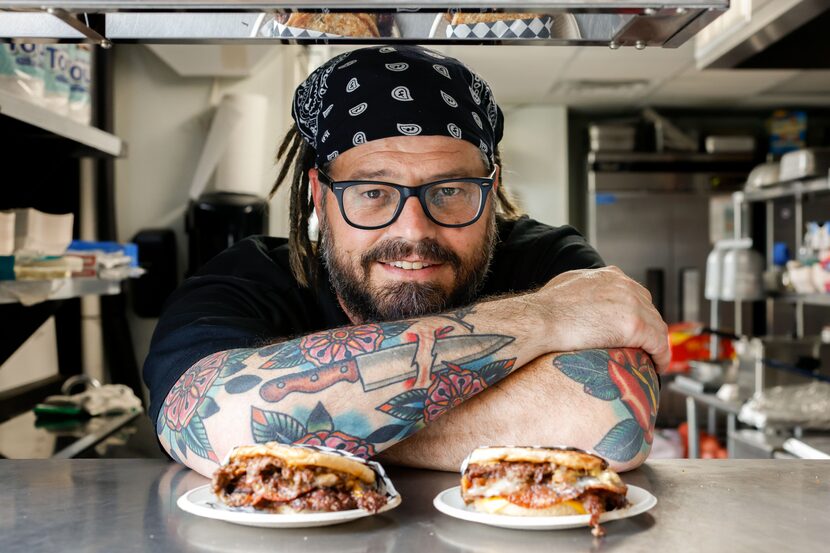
[{"x": 428, "y": 248}]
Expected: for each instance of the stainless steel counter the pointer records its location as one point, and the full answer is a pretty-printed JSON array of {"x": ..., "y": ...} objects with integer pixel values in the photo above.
[{"x": 130, "y": 505}]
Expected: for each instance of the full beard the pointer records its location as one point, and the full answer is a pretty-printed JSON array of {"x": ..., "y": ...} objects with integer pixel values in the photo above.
[{"x": 403, "y": 300}]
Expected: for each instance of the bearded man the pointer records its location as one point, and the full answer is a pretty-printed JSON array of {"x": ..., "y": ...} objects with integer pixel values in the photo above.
[{"x": 429, "y": 318}]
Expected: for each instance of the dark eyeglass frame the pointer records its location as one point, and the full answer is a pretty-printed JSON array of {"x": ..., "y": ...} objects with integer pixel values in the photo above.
[{"x": 339, "y": 187}]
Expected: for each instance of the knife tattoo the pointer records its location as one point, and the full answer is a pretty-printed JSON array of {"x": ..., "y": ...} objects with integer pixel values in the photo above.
[{"x": 381, "y": 368}]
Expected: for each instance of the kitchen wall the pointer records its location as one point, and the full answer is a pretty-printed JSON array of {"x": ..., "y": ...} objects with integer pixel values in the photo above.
[
  {"x": 535, "y": 158},
  {"x": 164, "y": 118}
]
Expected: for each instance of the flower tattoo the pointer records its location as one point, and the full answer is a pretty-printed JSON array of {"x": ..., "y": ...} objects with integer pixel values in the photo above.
[
  {"x": 341, "y": 343},
  {"x": 186, "y": 395},
  {"x": 449, "y": 389}
]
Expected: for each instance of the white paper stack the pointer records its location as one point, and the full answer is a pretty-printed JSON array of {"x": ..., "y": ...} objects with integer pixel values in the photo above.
[
  {"x": 6, "y": 232},
  {"x": 40, "y": 233}
]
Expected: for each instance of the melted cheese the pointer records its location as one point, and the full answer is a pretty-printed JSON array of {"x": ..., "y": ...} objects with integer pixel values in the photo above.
[
  {"x": 577, "y": 506},
  {"x": 498, "y": 487}
]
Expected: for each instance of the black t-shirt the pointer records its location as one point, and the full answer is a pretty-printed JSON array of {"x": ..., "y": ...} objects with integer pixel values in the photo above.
[{"x": 246, "y": 296}]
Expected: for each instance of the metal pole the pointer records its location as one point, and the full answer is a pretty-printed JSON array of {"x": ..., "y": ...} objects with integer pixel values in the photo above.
[
  {"x": 694, "y": 436},
  {"x": 770, "y": 239},
  {"x": 92, "y": 349},
  {"x": 711, "y": 421},
  {"x": 799, "y": 305},
  {"x": 731, "y": 428}
]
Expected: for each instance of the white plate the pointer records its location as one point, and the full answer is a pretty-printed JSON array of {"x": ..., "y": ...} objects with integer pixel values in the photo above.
[
  {"x": 450, "y": 503},
  {"x": 202, "y": 502}
]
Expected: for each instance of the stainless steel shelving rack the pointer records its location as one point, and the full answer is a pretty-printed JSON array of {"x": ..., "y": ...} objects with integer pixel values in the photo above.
[
  {"x": 798, "y": 190},
  {"x": 614, "y": 23}
]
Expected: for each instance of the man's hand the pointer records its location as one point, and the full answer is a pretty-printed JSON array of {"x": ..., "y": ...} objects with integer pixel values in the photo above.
[{"x": 602, "y": 308}]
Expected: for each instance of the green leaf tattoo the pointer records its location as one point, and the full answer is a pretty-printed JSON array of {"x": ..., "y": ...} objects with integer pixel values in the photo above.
[
  {"x": 497, "y": 370},
  {"x": 591, "y": 369},
  {"x": 270, "y": 426},
  {"x": 408, "y": 406},
  {"x": 623, "y": 442},
  {"x": 196, "y": 438},
  {"x": 283, "y": 355},
  {"x": 319, "y": 419}
]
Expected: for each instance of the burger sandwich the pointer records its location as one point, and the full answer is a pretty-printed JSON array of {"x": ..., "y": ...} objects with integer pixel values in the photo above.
[
  {"x": 541, "y": 481},
  {"x": 289, "y": 479}
]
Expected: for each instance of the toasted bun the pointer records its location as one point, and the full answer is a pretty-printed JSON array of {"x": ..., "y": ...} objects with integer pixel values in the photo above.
[
  {"x": 303, "y": 456},
  {"x": 567, "y": 457},
  {"x": 500, "y": 506},
  {"x": 473, "y": 18},
  {"x": 344, "y": 24}
]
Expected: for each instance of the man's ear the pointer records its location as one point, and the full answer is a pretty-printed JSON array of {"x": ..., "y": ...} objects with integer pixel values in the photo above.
[
  {"x": 497, "y": 178},
  {"x": 317, "y": 190}
]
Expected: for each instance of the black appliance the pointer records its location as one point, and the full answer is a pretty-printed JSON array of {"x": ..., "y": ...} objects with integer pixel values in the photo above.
[{"x": 218, "y": 220}]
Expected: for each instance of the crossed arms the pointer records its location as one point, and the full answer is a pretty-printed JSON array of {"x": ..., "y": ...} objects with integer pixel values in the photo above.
[{"x": 424, "y": 392}]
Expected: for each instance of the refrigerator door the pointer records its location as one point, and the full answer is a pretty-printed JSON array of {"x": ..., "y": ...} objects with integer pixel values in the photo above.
[{"x": 643, "y": 233}]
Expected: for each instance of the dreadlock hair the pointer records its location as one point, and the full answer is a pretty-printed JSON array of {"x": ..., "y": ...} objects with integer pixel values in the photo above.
[{"x": 294, "y": 152}]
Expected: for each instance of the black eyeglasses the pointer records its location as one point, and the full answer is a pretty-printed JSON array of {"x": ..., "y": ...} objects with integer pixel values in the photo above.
[{"x": 371, "y": 205}]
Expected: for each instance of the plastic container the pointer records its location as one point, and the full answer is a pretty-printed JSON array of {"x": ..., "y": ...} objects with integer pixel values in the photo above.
[
  {"x": 21, "y": 72},
  {"x": 80, "y": 80},
  {"x": 612, "y": 138},
  {"x": 56, "y": 59}
]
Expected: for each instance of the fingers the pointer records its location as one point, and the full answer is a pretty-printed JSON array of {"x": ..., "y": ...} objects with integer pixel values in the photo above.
[
  {"x": 606, "y": 308},
  {"x": 648, "y": 329}
]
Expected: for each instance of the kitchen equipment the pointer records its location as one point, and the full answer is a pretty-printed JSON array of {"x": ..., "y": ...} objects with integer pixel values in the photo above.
[
  {"x": 217, "y": 220},
  {"x": 615, "y": 138},
  {"x": 713, "y": 374},
  {"x": 800, "y": 164},
  {"x": 667, "y": 135},
  {"x": 724, "y": 144},
  {"x": 157, "y": 254},
  {"x": 743, "y": 275},
  {"x": 765, "y": 174},
  {"x": 714, "y": 266}
]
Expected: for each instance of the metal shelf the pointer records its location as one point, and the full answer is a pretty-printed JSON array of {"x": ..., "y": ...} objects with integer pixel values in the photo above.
[
  {"x": 30, "y": 292},
  {"x": 789, "y": 189},
  {"x": 59, "y": 125},
  {"x": 264, "y": 5},
  {"x": 613, "y": 23},
  {"x": 806, "y": 299}
]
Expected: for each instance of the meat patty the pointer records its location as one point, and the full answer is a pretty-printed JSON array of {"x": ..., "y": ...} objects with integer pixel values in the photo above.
[{"x": 268, "y": 484}]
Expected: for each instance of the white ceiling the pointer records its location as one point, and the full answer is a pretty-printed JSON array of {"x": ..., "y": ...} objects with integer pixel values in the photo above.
[{"x": 545, "y": 74}]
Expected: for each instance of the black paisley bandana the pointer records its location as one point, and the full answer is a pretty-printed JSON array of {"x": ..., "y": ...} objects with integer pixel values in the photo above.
[{"x": 386, "y": 91}]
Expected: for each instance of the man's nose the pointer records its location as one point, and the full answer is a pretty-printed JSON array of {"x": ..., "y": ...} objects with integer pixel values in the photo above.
[{"x": 413, "y": 224}]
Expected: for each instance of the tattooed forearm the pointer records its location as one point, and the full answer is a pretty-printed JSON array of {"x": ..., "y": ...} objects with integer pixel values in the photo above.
[
  {"x": 627, "y": 378},
  {"x": 358, "y": 388}
]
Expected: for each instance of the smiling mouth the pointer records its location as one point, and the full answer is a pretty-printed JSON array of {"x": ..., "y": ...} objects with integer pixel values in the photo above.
[{"x": 409, "y": 265}]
